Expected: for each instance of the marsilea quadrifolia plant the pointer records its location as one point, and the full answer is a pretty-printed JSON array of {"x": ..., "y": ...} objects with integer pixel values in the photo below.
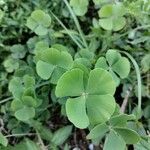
[{"x": 82, "y": 81}]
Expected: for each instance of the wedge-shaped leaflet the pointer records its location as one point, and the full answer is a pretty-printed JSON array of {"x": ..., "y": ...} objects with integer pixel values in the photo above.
[
  {"x": 121, "y": 120},
  {"x": 98, "y": 131},
  {"x": 52, "y": 63},
  {"x": 117, "y": 65},
  {"x": 111, "y": 17},
  {"x": 91, "y": 99},
  {"x": 76, "y": 111},
  {"x": 71, "y": 84},
  {"x": 25, "y": 113},
  {"x": 129, "y": 136},
  {"x": 39, "y": 22},
  {"x": 114, "y": 141},
  {"x": 100, "y": 108},
  {"x": 79, "y": 7}
]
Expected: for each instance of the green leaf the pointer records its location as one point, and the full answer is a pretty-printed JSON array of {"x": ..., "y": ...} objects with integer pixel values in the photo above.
[
  {"x": 76, "y": 112},
  {"x": 118, "y": 24},
  {"x": 106, "y": 23},
  {"x": 3, "y": 140},
  {"x": 111, "y": 17},
  {"x": 11, "y": 64},
  {"x": 85, "y": 53},
  {"x": 100, "y": 105},
  {"x": 52, "y": 63},
  {"x": 29, "y": 81},
  {"x": 100, "y": 108},
  {"x": 15, "y": 86},
  {"x": 98, "y": 131},
  {"x": 129, "y": 136},
  {"x": 146, "y": 63},
  {"x": 29, "y": 101},
  {"x": 39, "y": 22},
  {"x": 18, "y": 51},
  {"x": 16, "y": 104},
  {"x": 122, "y": 67},
  {"x": 55, "y": 57},
  {"x": 61, "y": 135},
  {"x": 121, "y": 120},
  {"x": 104, "y": 82},
  {"x": 30, "y": 145},
  {"x": 101, "y": 63},
  {"x": 112, "y": 56},
  {"x": 113, "y": 140},
  {"x": 79, "y": 7},
  {"x": 70, "y": 84},
  {"x": 25, "y": 113},
  {"x": 44, "y": 70}
]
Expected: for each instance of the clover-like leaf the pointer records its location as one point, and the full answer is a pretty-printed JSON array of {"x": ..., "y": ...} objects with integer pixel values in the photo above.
[
  {"x": 117, "y": 65},
  {"x": 94, "y": 93},
  {"x": 100, "y": 108},
  {"x": 15, "y": 86},
  {"x": 11, "y": 64},
  {"x": 25, "y": 113},
  {"x": 72, "y": 79},
  {"x": 76, "y": 111},
  {"x": 85, "y": 53},
  {"x": 101, "y": 78},
  {"x": 39, "y": 22},
  {"x": 98, "y": 131},
  {"x": 79, "y": 7},
  {"x": 121, "y": 120},
  {"x": 115, "y": 141},
  {"x": 52, "y": 63},
  {"x": 111, "y": 17},
  {"x": 18, "y": 51},
  {"x": 129, "y": 136}
]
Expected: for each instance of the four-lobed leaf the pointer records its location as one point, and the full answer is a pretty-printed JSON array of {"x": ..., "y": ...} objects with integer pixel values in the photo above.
[
  {"x": 91, "y": 97},
  {"x": 116, "y": 64},
  {"x": 39, "y": 22},
  {"x": 111, "y": 17},
  {"x": 52, "y": 63}
]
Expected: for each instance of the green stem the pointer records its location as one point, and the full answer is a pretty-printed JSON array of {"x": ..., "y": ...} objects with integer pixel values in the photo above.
[
  {"x": 76, "y": 22},
  {"x": 68, "y": 32},
  {"x": 139, "y": 82},
  {"x": 6, "y": 100},
  {"x": 21, "y": 134}
]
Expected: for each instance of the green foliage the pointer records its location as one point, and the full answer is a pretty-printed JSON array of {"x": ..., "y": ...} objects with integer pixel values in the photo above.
[
  {"x": 66, "y": 63},
  {"x": 52, "y": 63},
  {"x": 39, "y": 22},
  {"x": 75, "y": 83},
  {"x": 115, "y": 64},
  {"x": 111, "y": 17},
  {"x": 64, "y": 133},
  {"x": 3, "y": 140},
  {"x": 79, "y": 7}
]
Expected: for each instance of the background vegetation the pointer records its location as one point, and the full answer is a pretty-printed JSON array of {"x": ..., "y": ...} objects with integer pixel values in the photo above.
[{"x": 85, "y": 31}]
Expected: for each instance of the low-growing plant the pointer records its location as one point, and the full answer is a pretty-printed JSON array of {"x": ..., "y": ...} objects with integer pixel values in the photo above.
[{"x": 73, "y": 70}]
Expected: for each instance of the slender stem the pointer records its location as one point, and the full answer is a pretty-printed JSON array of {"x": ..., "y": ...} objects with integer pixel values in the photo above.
[
  {"x": 41, "y": 141},
  {"x": 142, "y": 27},
  {"x": 68, "y": 32},
  {"x": 76, "y": 22},
  {"x": 42, "y": 84},
  {"x": 139, "y": 82},
  {"x": 21, "y": 134},
  {"x": 6, "y": 100},
  {"x": 125, "y": 102}
]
